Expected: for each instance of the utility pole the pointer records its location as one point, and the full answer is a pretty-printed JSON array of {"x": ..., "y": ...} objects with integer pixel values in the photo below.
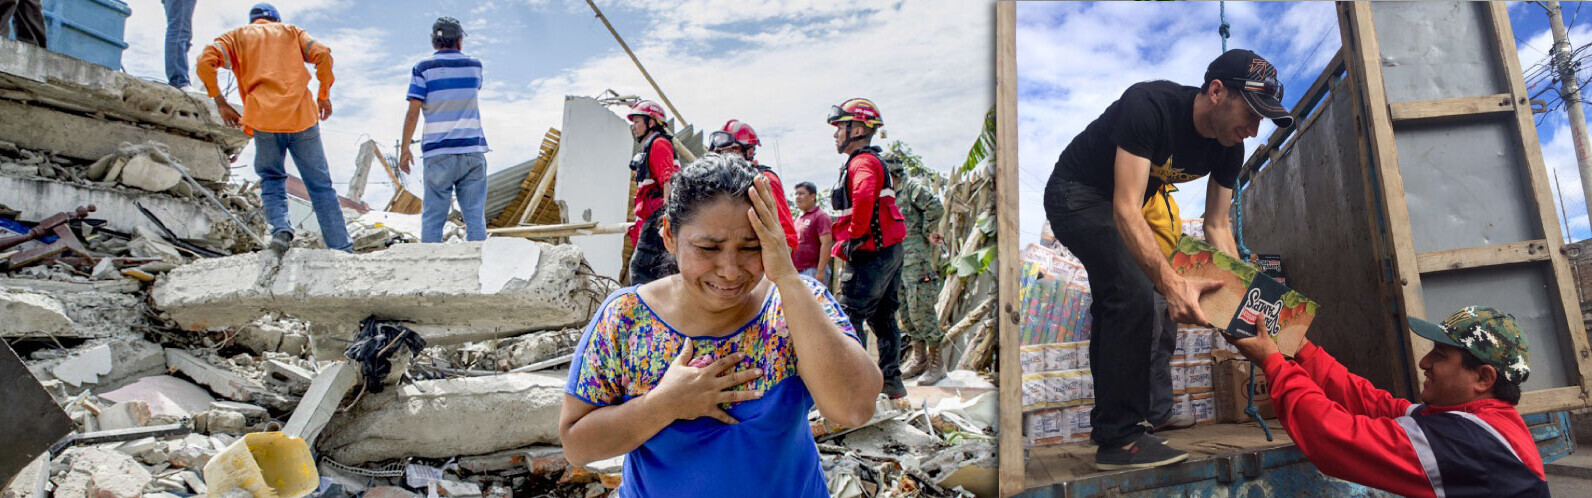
[
  {"x": 1570, "y": 91},
  {"x": 633, "y": 58}
]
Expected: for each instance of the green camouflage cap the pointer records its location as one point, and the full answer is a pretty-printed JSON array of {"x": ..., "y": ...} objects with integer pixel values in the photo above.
[
  {"x": 892, "y": 163},
  {"x": 1488, "y": 334}
]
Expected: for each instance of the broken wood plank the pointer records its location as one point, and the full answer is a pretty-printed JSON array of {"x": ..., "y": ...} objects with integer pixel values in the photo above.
[{"x": 560, "y": 230}]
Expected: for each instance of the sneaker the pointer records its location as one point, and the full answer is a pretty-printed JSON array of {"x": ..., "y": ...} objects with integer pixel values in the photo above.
[
  {"x": 1174, "y": 423},
  {"x": 1143, "y": 454},
  {"x": 894, "y": 389},
  {"x": 280, "y": 241}
]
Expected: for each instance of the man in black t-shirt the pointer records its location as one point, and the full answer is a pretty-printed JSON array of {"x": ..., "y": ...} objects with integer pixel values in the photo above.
[{"x": 1158, "y": 132}]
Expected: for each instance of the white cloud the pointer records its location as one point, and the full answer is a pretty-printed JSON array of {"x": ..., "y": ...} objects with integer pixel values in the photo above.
[
  {"x": 1075, "y": 58},
  {"x": 929, "y": 66}
]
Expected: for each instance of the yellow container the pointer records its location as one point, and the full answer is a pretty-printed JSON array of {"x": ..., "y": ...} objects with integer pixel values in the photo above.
[{"x": 266, "y": 464}]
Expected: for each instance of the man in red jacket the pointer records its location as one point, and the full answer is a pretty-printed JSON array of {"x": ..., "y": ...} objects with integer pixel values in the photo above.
[
  {"x": 654, "y": 165},
  {"x": 1465, "y": 439},
  {"x": 740, "y": 139},
  {"x": 868, "y": 234}
]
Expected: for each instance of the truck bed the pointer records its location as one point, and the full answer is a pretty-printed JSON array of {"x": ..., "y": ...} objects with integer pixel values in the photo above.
[{"x": 1054, "y": 464}]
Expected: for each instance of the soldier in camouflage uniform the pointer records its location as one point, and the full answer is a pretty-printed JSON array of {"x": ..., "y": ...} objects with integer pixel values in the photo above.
[
  {"x": 920, "y": 276},
  {"x": 1465, "y": 438}
]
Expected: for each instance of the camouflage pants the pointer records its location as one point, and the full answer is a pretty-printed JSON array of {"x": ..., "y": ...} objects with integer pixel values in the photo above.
[{"x": 920, "y": 289}]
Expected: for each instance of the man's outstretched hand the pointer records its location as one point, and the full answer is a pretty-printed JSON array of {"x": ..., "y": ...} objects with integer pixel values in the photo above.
[{"x": 1260, "y": 346}]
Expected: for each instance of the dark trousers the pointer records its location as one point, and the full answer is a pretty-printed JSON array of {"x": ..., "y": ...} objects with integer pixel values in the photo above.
[
  {"x": 29, "y": 15},
  {"x": 868, "y": 289},
  {"x": 651, "y": 260},
  {"x": 1123, "y": 310},
  {"x": 1165, "y": 341}
]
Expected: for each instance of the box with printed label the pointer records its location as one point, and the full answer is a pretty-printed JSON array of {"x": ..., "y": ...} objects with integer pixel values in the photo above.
[
  {"x": 1197, "y": 377},
  {"x": 1203, "y": 407}
]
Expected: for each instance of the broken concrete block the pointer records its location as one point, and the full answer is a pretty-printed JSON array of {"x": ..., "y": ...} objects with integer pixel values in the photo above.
[
  {"x": 226, "y": 383},
  {"x": 457, "y": 489},
  {"x": 254, "y": 413},
  {"x": 85, "y": 367},
  {"x": 105, "y": 269},
  {"x": 147, "y": 244},
  {"x": 444, "y": 418},
  {"x": 388, "y": 492},
  {"x": 169, "y": 398},
  {"x": 219, "y": 422},
  {"x": 296, "y": 379},
  {"x": 138, "y": 447},
  {"x": 970, "y": 465},
  {"x": 32, "y": 314},
  {"x": 436, "y": 287},
  {"x": 143, "y": 171},
  {"x": 125, "y": 415},
  {"x": 129, "y": 357},
  {"x": 540, "y": 460},
  {"x": 110, "y": 473},
  {"x": 320, "y": 402}
]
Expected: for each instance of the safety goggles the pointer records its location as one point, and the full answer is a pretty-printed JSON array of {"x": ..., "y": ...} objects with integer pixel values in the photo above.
[
  {"x": 721, "y": 139},
  {"x": 835, "y": 113}
]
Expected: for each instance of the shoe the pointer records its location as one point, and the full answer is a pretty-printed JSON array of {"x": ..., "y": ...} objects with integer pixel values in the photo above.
[
  {"x": 894, "y": 389},
  {"x": 280, "y": 241},
  {"x": 913, "y": 365},
  {"x": 1143, "y": 454},
  {"x": 935, "y": 370},
  {"x": 1174, "y": 423}
]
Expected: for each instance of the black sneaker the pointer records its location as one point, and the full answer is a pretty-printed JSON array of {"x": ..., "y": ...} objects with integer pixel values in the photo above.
[
  {"x": 894, "y": 389},
  {"x": 1144, "y": 453},
  {"x": 280, "y": 241}
]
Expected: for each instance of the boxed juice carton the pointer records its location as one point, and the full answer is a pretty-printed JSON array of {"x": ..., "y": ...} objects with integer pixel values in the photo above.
[{"x": 1248, "y": 295}]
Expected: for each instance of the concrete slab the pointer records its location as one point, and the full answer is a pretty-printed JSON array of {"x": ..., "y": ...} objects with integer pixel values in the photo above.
[
  {"x": 125, "y": 415},
  {"x": 435, "y": 287},
  {"x": 223, "y": 382},
  {"x": 167, "y": 396},
  {"x": 445, "y": 418},
  {"x": 88, "y": 138},
  {"x": 85, "y": 367},
  {"x": 128, "y": 356},
  {"x": 38, "y": 198}
]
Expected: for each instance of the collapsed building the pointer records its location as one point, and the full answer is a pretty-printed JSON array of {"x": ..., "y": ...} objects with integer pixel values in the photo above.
[{"x": 146, "y": 332}]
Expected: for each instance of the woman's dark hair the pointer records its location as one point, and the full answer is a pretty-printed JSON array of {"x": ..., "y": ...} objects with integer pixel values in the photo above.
[
  {"x": 711, "y": 178},
  {"x": 1504, "y": 390}
]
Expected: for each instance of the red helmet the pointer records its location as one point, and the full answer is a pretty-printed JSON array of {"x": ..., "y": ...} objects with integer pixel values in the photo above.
[
  {"x": 647, "y": 108},
  {"x": 859, "y": 109},
  {"x": 743, "y": 133}
]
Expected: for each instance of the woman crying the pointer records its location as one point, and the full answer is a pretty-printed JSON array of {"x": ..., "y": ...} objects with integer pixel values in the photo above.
[{"x": 704, "y": 379}]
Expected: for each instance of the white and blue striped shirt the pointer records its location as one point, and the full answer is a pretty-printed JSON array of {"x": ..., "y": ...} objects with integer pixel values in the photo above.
[{"x": 446, "y": 86}]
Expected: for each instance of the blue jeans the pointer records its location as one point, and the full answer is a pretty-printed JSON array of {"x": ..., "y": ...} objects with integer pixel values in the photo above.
[
  {"x": 310, "y": 158},
  {"x": 179, "y": 32},
  {"x": 445, "y": 175}
]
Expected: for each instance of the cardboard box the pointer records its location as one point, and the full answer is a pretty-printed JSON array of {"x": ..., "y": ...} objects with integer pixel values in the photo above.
[
  {"x": 1031, "y": 358},
  {"x": 1232, "y": 378},
  {"x": 1197, "y": 377},
  {"x": 1247, "y": 295},
  {"x": 1179, "y": 377},
  {"x": 1203, "y": 407}
]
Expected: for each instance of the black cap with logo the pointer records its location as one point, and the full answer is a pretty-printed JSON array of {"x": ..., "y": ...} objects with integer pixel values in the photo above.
[{"x": 1256, "y": 80}]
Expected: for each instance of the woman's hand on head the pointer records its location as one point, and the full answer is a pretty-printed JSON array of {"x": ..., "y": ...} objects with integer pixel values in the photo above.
[
  {"x": 690, "y": 392},
  {"x": 777, "y": 264}
]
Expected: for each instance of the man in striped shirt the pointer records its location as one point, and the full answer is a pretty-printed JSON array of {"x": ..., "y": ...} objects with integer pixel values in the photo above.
[{"x": 445, "y": 86}]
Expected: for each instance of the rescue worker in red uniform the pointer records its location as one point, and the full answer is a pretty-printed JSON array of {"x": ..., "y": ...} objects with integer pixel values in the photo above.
[
  {"x": 740, "y": 139},
  {"x": 654, "y": 165},
  {"x": 868, "y": 234},
  {"x": 1465, "y": 439}
]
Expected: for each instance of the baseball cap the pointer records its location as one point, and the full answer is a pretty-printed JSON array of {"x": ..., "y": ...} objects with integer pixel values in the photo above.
[
  {"x": 1486, "y": 333},
  {"x": 264, "y": 11},
  {"x": 447, "y": 27},
  {"x": 1257, "y": 82}
]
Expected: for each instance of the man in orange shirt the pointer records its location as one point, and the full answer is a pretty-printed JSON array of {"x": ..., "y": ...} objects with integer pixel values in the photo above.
[{"x": 268, "y": 57}]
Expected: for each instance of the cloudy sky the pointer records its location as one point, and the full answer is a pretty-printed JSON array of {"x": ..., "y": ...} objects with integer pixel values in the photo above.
[
  {"x": 777, "y": 65},
  {"x": 1075, "y": 58}
]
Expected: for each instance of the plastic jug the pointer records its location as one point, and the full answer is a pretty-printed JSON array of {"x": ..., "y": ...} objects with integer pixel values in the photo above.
[{"x": 266, "y": 464}]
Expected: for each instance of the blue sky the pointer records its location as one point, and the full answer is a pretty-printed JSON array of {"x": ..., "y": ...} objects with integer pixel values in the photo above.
[
  {"x": 1075, "y": 58},
  {"x": 777, "y": 65}
]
